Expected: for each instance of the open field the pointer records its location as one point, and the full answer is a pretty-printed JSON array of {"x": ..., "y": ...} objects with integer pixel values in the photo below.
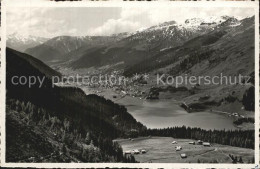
[{"x": 161, "y": 150}]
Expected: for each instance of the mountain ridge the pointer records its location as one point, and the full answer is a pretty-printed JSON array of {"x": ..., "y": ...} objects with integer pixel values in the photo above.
[{"x": 162, "y": 36}]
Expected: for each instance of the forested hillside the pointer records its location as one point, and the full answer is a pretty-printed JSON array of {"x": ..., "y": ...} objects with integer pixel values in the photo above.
[{"x": 69, "y": 125}]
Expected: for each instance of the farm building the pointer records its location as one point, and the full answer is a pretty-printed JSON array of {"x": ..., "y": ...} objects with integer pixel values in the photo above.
[
  {"x": 200, "y": 142},
  {"x": 136, "y": 151},
  {"x": 127, "y": 152},
  {"x": 183, "y": 155},
  {"x": 143, "y": 151},
  {"x": 174, "y": 142},
  {"x": 206, "y": 144},
  {"x": 178, "y": 148},
  {"x": 192, "y": 142}
]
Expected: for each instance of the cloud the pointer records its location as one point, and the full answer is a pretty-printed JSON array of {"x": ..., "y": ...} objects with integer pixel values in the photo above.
[
  {"x": 159, "y": 15},
  {"x": 50, "y": 22},
  {"x": 37, "y": 22},
  {"x": 129, "y": 21},
  {"x": 132, "y": 19},
  {"x": 113, "y": 26}
]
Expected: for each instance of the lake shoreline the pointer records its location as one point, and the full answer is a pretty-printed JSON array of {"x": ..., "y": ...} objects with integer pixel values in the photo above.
[{"x": 135, "y": 104}]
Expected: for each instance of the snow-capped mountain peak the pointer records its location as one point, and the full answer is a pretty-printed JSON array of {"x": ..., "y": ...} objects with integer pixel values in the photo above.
[
  {"x": 208, "y": 21},
  {"x": 21, "y": 43},
  {"x": 169, "y": 34}
]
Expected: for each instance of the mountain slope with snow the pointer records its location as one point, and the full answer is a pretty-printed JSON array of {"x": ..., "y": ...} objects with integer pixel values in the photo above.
[
  {"x": 143, "y": 44},
  {"x": 20, "y": 43},
  {"x": 126, "y": 48},
  {"x": 225, "y": 32}
]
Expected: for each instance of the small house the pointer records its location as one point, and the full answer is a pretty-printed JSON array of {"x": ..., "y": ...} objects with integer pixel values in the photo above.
[
  {"x": 183, "y": 155},
  {"x": 200, "y": 142},
  {"x": 192, "y": 142},
  {"x": 136, "y": 151},
  {"x": 178, "y": 148},
  {"x": 206, "y": 144},
  {"x": 174, "y": 142},
  {"x": 143, "y": 151},
  {"x": 127, "y": 152}
]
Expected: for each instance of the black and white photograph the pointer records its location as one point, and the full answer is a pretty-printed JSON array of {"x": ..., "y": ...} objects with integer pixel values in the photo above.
[{"x": 132, "y": 84}]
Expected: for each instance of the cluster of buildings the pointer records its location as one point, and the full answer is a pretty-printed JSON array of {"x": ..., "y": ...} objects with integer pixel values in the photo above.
[{"x": 199, "y": 142}]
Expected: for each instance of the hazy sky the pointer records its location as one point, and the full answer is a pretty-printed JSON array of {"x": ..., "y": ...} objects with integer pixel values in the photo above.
[{"x": 50, "y": 22}]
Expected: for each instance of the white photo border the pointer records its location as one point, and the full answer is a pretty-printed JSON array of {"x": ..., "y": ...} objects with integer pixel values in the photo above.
[{"x": 38, "y": 3}]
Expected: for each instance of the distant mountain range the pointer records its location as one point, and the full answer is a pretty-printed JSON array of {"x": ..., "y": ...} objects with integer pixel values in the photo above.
[
  {"x": 21, "y": 43},
  {"x": 126, "y": 48},
  {"x": 226, "y": 43},
  {"x": 154, "y": 48}
]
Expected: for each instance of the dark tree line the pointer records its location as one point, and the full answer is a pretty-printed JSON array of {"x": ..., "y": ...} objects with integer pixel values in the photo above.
[
  {"x": 236, "y": 159},
  {"x": 244, "y": 120},
  {"x": 237, "y": 138},
  {"x": 194, "y": 58},
  {"x": 249, "y": 99}
]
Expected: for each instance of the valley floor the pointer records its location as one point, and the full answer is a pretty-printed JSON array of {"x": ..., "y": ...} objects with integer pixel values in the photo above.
[{"x": 161, "y": 150}]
